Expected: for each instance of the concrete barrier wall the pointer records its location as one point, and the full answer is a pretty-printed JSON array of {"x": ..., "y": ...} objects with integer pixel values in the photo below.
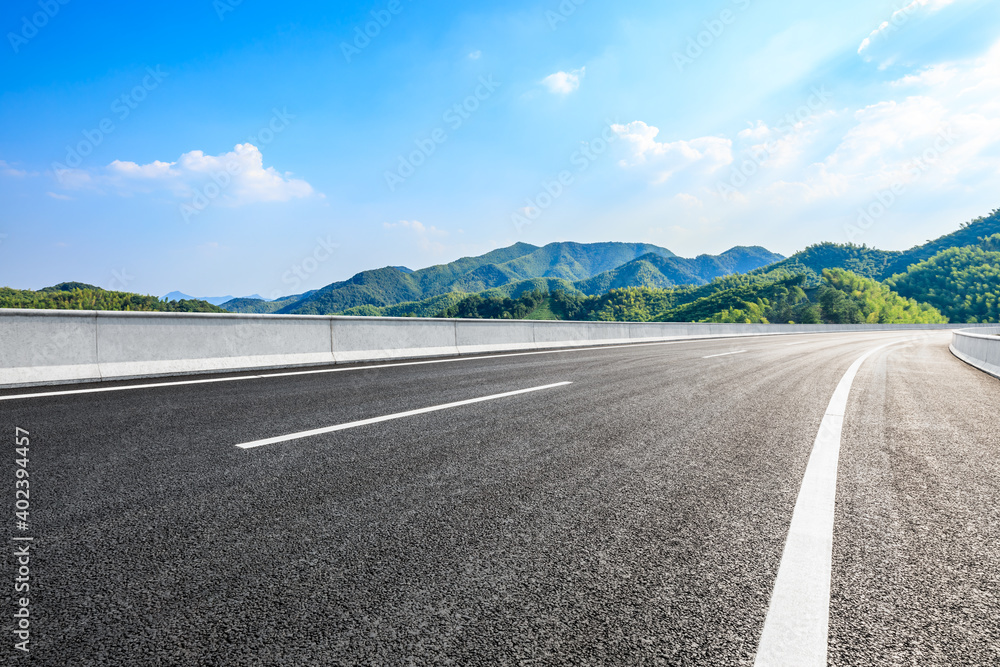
[
  {"x": 61, "y": 346},
  {"x": 381, "y": 338},
  {"x": 478, "y": 336},
  {"x": 139, "y": 344},
  {"x": 552, "y": 334},
  {"x": 47, "y": 346},
  {"x": 979, "y": 347}
]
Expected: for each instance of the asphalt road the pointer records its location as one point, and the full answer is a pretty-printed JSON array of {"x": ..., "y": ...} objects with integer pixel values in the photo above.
[{"x": 635, "y": 516}]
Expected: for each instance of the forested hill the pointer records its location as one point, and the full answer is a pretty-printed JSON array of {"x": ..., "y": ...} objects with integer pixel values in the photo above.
[
  {"x": 882, "y": 264},
  {"x": 963, "y": 283},
  {"x": 81, "y": 296},
  {"x": 569, "y": 262},
  {"x": 521, "y": 261},
  {"x": 653, "y": 270}
]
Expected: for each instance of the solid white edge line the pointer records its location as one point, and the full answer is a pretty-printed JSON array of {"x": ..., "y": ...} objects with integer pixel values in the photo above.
[
  {"x": 724, "y": 354},
  {"x": 265, "y": 375},
  {"x": 796, "y": 628},
  {"x": 398, "y": 415}
]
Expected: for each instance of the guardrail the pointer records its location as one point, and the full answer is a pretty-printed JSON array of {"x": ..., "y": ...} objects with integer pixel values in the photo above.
[
  {"x": 62, "y": 346},
  {"x": 978, "y": 347}
]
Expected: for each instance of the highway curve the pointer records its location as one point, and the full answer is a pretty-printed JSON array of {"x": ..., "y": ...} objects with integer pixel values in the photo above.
[{"x": 636, "y": 515}]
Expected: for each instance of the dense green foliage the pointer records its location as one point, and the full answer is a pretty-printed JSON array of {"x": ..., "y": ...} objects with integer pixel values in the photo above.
[
  {"x": 842, "y": 298},
  {"x": 630, "y": 304},
  {"x": 990, "y": 243},
  {"x": 963, "y": 283},
  {"x": 496, "y": 307},
  {"x": 426, "y": 308},
  {"x": 851, "y": 299},
  {"x": 250, "y": 305},
  {"x": 751, "y": 302},
  {"x": 80, "y": 296}
]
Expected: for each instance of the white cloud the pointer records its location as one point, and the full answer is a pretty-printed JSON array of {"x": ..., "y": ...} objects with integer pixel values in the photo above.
[
  {"x": 8, "y": 170},
  {"x": 475, "y": 55},
  {"x": 239, "y": 174},
  {"x": 563, "y": 83},
  {"x": 940, "y": 140},
  {"x": 923, "y": 152},
  {"x": 756, "y": 132},
  {"x": 666, "y": 159},
  {"x": 935, "y": 75},
  {"x": 896, "y": 141},
  {"x": 901, "y": 16},
  {"x": 58, "y": 196},
  {"x": 784, "y": 144}
]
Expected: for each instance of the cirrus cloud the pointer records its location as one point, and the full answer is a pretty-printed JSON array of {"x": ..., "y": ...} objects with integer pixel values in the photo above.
[{"x": 900, "y": 17}]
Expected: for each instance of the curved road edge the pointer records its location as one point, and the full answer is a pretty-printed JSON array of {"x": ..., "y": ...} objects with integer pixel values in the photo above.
[{"x": 980, "y": 348}]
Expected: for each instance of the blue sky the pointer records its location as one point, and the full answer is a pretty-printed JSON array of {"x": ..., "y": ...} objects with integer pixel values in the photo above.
[{"x": 240, "y": 147}]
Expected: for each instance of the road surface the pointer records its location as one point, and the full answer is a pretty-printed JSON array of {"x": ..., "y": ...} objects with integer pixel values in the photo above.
[{"x": 632, "y": 508}]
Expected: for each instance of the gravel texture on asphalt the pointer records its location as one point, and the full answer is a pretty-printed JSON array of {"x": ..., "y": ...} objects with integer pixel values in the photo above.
[
  {"x": 636, "y": 516},
  {"x": 916, "y": 576}
]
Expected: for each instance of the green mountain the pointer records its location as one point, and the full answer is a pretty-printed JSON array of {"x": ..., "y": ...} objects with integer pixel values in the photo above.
[
  {"x": 969, "y": 234},
  {"x": 391, "y": 285},
  {"x": 260, "y": 306},
  {"x": 661, "y": 272},
  {"x": 513, "y": 270},
  {"x": 881, "y": 264},
  {"x": 860, "y": 260},
  {"x": 963, "y": 283},
  {"x": 435, "y": 305},
  {"x": 577, "y": 270}
]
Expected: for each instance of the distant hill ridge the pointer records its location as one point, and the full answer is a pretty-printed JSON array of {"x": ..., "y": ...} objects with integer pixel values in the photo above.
[
  {"x": 83, "y": 296},
  {"x": 589, "y": 267},
  {"x": 958, "y": 273},
  {"x": 214, "y": 300}
]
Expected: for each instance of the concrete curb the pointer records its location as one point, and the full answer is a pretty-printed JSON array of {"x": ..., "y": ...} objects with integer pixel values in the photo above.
[{"x": 978, "y": 348}]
